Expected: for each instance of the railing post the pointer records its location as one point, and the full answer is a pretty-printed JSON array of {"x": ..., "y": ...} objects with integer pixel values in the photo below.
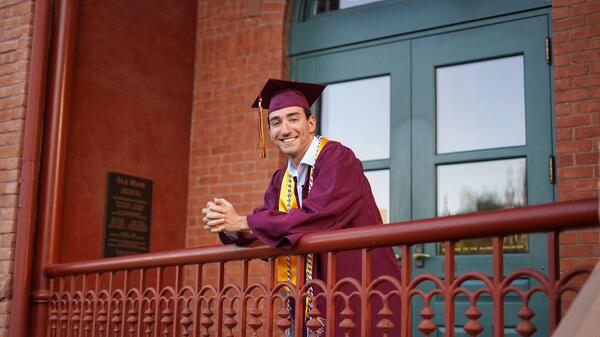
[
  {"x": 553, "y": 276},
  {"x": 365, "y": 309},
  {"x": 330, "y": 300},
  {"x": 498, "y": 276},
  {"x": 449, "y": 269},
  {"x": 300, "y": 301},
  {"x": 221, "y": 281},
  {"x": 242, "y": 301},
  {"x": 405, "y": 325}
]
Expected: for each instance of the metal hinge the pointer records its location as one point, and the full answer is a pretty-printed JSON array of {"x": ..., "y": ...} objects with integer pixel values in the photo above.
[
  {"x": 548, "y": 50},
  {"x": 551, "y": 170}
]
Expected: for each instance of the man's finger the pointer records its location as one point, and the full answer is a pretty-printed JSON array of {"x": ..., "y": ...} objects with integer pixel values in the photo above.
[
  {"x": 213, "y": 223},
  {"x": 216, "y": 208},
  {"x": 214, "y": 215},
  {"x": 217, "y": 229},
  {"x": 222, "y": 201}
]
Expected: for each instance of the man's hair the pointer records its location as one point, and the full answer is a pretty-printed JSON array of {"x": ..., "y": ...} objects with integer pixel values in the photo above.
[{"x": 307, "y": 113}]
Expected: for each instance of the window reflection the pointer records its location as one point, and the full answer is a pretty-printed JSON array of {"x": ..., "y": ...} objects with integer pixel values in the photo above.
[
  {"x": 380, "y": 185},
  {"x": 480, "y": 105},
  {"x": 482, "y": 186},
  {"x": 343, "y": 110}
]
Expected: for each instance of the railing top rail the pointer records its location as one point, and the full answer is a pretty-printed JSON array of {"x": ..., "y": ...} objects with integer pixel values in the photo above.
[{"x": 529, "y": 219}]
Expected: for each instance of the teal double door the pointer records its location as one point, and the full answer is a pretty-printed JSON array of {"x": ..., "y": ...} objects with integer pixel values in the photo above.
[{"x": 466, "y": 127}]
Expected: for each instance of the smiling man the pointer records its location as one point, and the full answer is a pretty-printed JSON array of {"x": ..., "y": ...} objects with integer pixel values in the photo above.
[{"x": 322, "y": 187}]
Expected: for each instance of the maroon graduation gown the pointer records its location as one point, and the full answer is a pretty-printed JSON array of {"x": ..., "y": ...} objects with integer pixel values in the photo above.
[{"x": 341, "y": 197}]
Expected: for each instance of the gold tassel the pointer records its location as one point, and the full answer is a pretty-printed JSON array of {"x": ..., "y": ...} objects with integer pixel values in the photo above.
[{"x": 261, "y": 131}]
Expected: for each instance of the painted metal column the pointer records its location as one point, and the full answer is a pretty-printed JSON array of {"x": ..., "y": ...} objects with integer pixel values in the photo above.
[
  {"x": 19, "y": 319},
  {"x": 52, "y": 172}
]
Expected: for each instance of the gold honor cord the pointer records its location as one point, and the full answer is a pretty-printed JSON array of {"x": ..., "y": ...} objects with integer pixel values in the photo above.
[
  {"x": 261, "y": 131},
  {"x": 286, "y": 266}
]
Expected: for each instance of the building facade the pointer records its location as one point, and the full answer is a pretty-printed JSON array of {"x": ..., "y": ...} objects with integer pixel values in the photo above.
[{"x": 161, "y": 91}]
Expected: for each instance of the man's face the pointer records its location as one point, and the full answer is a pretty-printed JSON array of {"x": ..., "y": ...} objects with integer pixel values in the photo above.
[{"x": 291, "y": 132}]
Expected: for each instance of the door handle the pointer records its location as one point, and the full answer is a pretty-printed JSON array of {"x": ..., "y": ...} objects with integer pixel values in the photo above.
[{"x": 418, "y": 256}]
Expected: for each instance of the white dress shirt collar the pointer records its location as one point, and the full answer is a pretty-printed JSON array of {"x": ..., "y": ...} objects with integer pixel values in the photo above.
[{"x": 300, "y": 172}]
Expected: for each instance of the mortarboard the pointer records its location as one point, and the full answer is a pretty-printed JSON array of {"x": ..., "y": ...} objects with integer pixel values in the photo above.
[{"x": 279, "y": 94}]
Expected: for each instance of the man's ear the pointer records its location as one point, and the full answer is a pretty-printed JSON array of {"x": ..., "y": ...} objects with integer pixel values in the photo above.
[{"x": 312, "y": 123}]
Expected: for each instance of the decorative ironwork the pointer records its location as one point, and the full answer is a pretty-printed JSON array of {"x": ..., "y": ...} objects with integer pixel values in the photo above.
[{"x": 131, "y": 296}]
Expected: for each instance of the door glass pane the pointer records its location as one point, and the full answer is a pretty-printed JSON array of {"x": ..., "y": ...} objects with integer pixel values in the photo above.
[
  {"x": 380, "y": 185},
  {"x": 357, "y": 114},
  {"x": 481, "y": 186},
  {"x": 480, "y": 105}
]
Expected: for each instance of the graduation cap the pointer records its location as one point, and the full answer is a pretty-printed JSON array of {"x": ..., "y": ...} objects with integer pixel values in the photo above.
[{"x": 279, "y": 94}]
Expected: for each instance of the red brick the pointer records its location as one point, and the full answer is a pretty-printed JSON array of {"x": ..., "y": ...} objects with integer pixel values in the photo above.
[
  {"x": 595, "y": 68},
  {"x": 586, "y": 185},
  {"x": 568, "y": 23},
  {"x": 571, "y": 95},
  {"x": 578, "y": 145},
  {"x": 585, "y": 81},
  {"x": 564, "y": 160},
  {"x": 568, "y": 263},
  {"x": 588, "y": 261},
  {"x": 571, "y": 121},
  {"x": 586, "y": 158},
  {"x": 562, "y": 84},
  {"x": 563, "y": 109},
  {"x": 9, "y": 175},
  {"x": 593, "y": 19},
  {"x": 569, "y": 237},
  {"x": 595, "y": 92},
  {"x": 585, "y": 56},
  {"x": 559, "y": 12},
  {"x": 8, "y": 227},
  {"x": 585, "y": 8},
  {"x": 575, "y": 172},
  {"x": 7, "y": 240},
  {"x": 11, "y": 126},
  {"x": 9, "y": 188},
  {"x": 566, "y": 196},
  {"x": 560, "y": 37},
  {"x": 564, "y": 134},
  {"x": 560, "y": 3},
  {"x": 578, "y": 250},
  {"x": 590, "y": 236},
  {"x": 586, "y": 106},
  {"x": 587, "y": 132},
  {"x": 585, "y": 32},
  {"x": 571, "y": 70}
]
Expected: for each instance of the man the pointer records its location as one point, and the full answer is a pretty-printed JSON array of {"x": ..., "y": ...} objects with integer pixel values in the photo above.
[{"x": 323, "y": 187}]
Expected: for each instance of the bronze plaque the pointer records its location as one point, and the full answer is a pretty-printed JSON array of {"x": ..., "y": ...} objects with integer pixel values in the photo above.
[
  {"x": 516, "y": 243},
  {"x": 128, "y": 215}
]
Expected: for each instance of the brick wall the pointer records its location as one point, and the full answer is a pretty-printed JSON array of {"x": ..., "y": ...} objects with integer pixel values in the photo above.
[
  {"x": 239, "y": 45},
  {"x": 16, "y": 20},
  {"x": 576, "y": 47}
]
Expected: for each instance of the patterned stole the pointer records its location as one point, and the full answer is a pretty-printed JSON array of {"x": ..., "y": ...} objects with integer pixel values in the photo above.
[{"x": 286, "y": 267}]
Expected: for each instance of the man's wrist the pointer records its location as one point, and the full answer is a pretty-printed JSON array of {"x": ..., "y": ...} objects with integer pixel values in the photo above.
[{"x": 243, "y": 224}]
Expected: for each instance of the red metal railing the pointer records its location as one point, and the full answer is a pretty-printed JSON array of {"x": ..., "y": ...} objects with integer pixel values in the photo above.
[{"x": 190, "y": 292}]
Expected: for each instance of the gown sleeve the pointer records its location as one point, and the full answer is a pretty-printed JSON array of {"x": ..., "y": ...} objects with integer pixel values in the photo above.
[
  {"x": 270, "y": 202},
  {"x": 338, "y": 183}
]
